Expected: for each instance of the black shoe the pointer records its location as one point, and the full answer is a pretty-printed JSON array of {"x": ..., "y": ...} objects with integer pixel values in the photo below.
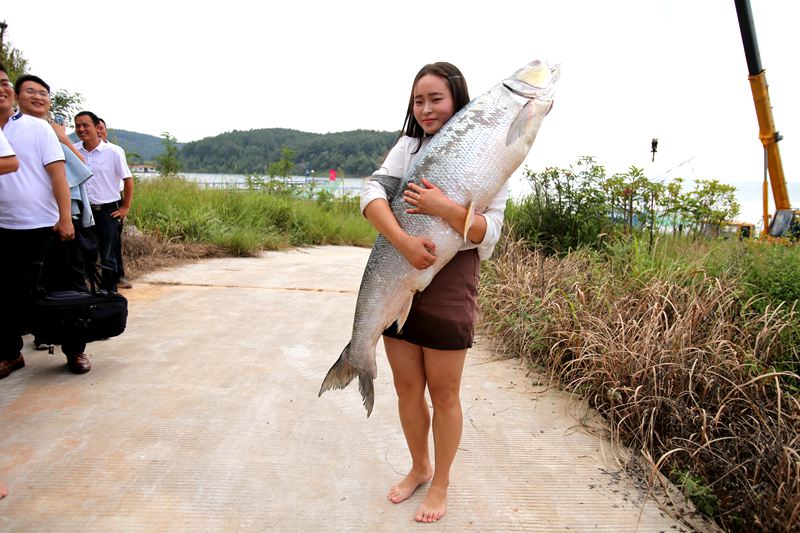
[{"x": 78, "y": 364}]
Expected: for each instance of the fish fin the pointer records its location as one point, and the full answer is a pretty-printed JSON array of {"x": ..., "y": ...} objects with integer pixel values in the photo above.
[
  {"x": 340, "y": 374},
  {"x": 401, "y": 319},
  {"x": 519, "y": 126},
  {"x": 470, "y": 219},
  {"x": 367, "y": 389}
]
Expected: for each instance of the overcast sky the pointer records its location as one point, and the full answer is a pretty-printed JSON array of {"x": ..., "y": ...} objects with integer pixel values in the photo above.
[{"x": 631, "y": 70}]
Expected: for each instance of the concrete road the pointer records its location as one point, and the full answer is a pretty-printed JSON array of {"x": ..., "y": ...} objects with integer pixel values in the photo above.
[{"x": 204, "y": 415}]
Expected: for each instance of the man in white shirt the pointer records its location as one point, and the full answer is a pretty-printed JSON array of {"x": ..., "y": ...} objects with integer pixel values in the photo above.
[
  {"x": 34, "y": 209},
  {"x": 110, "y": 169},
  {"x": 102, "y": 132}
]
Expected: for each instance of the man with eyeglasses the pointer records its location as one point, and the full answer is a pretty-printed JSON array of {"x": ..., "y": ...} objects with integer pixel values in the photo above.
[
  {"x": 34, "y": 208},
  {"x": 64, "y": 259},
  {"x": 110, "y": 169},
  {"x": 33, "y": 98}
]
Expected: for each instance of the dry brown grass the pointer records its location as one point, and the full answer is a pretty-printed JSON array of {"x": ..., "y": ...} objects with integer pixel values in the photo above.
[
  {"x": 681, "y": 373},
  {"x": 145, "y": 253}
]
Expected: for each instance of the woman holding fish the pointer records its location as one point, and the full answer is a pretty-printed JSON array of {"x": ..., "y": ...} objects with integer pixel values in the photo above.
[{"x": 430, "y": 349}]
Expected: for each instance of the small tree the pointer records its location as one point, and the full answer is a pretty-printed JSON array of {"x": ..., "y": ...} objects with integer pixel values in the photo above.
[
  {"x": 567, "y": 208},
  {"x": 277, "y": 174},
  {"x": 673, "y": 201},
  {"x": 168, "y": 162},
  {"x": 63, "y": 102},
  {"x": 283, "y": 167},
  {"x": 10, "y": 57},
  {"x": 710, "y": 204}
]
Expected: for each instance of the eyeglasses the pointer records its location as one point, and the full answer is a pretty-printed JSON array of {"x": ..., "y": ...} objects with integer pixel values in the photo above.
[
  {"x": 30, "y": 91},
  {"x": 6, "y": 83}
]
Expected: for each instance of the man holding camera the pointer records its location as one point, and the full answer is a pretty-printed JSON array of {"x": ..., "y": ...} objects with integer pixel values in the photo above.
[{"x": 110, "y": 169}]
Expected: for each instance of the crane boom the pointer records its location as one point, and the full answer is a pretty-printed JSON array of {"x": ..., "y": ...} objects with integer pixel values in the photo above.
[{"x": 766, "y": 124}]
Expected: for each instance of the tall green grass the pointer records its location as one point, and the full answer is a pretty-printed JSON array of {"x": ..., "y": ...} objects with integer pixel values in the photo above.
[{"x": 245, "y": 222}]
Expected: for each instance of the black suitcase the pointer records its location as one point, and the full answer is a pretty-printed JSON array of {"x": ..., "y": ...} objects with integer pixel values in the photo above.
[
  {"x": 72, "y": 316},
  {"x": 77, "y": 314}
]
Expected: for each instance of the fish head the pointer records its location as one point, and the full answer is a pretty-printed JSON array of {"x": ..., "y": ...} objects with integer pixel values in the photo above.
[{"x": 536, "y": 80}]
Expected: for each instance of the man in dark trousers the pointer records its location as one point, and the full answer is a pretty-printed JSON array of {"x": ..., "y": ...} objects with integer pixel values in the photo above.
[
  {"x": 34, "y": 211},
  {"x": 110, "y": 169},
  {"x": 102, "y": 131}
]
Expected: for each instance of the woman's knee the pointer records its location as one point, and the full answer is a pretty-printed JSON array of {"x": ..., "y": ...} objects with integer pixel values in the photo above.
[
  {"x": 445, "y": 396},
  {"x": 409, "y": 389}
]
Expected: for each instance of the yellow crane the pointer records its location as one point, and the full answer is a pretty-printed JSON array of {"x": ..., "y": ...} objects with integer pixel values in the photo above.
[{"x": 785, "y": 221}]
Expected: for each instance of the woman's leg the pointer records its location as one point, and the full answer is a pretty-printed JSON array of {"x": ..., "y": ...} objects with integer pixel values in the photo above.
[
  {"x": 443, "y": 369},
  {"x": 408, "y": 372}
]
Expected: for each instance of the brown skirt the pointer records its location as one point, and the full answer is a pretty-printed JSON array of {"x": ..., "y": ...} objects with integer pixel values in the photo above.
[{"x": 443, "y": 316}]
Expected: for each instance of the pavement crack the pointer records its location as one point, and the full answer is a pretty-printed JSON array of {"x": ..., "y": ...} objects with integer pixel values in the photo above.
[{"x": 259, "y": 287}]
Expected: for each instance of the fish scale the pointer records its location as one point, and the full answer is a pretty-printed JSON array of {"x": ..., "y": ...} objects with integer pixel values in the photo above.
[{"x": 469, "y": 158}]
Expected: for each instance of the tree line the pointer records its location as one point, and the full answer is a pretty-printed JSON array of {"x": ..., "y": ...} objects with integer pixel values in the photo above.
[
  {"x": 352, "y": 153},
  {"x": 580, "y": 205}
]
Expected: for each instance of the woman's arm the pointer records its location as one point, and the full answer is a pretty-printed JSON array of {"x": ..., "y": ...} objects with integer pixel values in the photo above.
[
  {"x": 419, "y": 251},
  {"x": 430, "y": 200}
]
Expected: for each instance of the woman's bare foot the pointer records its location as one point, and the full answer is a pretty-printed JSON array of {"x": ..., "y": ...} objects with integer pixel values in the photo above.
[
  {"x": 3, "y": 490},
  {"x": 434, "y": 506},
  {"x": 403, "y": 490}
]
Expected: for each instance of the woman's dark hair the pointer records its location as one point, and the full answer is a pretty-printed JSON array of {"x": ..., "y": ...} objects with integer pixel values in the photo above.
[{"x": 458, "y": 87}]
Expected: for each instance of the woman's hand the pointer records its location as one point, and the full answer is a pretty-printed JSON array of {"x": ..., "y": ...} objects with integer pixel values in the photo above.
[
  {"x": 419, "y": 251},
  {"x": 427, "y": 200}
]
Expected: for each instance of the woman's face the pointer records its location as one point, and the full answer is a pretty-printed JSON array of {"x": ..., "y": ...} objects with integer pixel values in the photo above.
[{"x": 433, "y": 102}]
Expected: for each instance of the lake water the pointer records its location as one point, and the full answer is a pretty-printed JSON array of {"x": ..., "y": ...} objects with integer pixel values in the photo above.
[
  {"x": 748, "y": 194},
  {"x": 341, "y": 186}
]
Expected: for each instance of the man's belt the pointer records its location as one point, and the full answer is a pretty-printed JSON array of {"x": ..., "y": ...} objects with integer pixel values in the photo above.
[{"x": 106, "y": 206}]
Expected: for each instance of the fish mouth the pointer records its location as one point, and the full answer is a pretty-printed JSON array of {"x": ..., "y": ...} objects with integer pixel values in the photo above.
[{"x": 536, "y": 80}]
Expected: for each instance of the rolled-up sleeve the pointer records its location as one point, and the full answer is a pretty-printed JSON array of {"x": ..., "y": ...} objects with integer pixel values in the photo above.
[
  {"x": 494, "y": 215},
  {"x": 393, "y": 166},
  {"x": 370, "y": 191}
]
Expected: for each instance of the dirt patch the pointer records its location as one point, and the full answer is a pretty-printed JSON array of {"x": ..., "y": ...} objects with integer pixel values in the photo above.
[{"x": 145, "y": 253}]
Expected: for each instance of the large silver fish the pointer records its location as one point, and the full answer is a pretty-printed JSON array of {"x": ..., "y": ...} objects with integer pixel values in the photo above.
[{"x": 469, "y": 158}]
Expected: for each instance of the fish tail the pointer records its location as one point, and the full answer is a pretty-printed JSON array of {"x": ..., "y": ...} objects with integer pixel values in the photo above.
[
  {"x": 340, "y": 374},
  {"x": 367, "y": 389}
]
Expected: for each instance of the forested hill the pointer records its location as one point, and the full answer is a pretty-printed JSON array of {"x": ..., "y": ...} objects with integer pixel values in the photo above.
[
  {"x": 140, "y": 146},
  {"x": 352, "y": 153}
]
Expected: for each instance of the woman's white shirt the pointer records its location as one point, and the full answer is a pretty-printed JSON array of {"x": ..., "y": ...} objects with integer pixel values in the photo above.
[{"x": 399, "y": 161}]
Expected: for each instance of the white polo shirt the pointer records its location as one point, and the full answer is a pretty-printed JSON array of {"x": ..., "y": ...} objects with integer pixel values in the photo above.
[
  {"x": 26, "y": 196},
  {"x": 109, "y": 168},
  {"x": 5, "y": 148}
]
